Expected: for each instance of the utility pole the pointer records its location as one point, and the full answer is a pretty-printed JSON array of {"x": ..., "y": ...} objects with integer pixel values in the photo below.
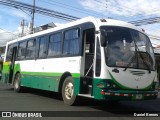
[{"x": 33, "y": 12}]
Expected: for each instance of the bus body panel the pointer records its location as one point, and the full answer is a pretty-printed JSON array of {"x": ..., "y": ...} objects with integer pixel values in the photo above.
[
  {"x": 46, "y": 73},
  {"x": 134, "y": 78}
]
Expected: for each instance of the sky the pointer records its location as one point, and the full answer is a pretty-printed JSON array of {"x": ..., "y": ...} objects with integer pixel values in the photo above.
[{"x": 126, "y": 10}]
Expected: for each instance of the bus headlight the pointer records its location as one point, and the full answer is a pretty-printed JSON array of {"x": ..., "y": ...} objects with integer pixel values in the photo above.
[
  {"x": 114, "y": 86},
  {"x": 108, "y": 85},
  {"x": 104, "y": 85}
]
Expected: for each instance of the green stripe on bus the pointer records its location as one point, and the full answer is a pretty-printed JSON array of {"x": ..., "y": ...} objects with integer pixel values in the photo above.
[
  {"x": 76, "y": 75},
  {"x": 46, "y": 83}
]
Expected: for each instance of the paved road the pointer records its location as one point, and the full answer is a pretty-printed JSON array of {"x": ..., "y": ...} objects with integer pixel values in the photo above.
[{"x": 36, "y": 100}]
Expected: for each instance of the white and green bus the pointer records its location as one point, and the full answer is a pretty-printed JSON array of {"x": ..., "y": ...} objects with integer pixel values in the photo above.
[{"x": 103, "y": 59}]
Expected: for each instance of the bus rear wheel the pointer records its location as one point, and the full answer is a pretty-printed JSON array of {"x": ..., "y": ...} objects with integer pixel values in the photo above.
[
  {"x": 17, "y": 83},
  {"x": 68, "y": 91}
]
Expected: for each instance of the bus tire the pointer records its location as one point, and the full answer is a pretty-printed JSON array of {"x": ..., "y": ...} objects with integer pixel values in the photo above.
[
  {"x": 68, "y": 91},
  {"x": 17, "y": 83}
]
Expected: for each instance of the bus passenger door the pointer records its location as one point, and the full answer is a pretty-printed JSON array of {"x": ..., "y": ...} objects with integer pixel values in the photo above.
[
  {"x": 88, "y": 52},
  {"x": 13, "y": 58},
  {"x": 87, "y": 61}
]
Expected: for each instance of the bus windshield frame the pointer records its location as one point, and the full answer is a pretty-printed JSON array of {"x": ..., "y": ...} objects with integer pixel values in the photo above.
[{"x": 128, "y": 48}]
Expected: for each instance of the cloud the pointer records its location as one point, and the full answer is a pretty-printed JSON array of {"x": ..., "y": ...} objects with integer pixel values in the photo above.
[
  {"x": 127, "y": 8},
  {"x": 1, "y": 17},
  {"x": 10, "y": 18},
  {"x": 1, "y": 31},
  {"x": 122, "y": 7},
  {"x": 13, "y": 12},
  {"x": 19, "y": 13},
  {"x": 152, "y": 29},
  {"x": 6, "y": 36}
]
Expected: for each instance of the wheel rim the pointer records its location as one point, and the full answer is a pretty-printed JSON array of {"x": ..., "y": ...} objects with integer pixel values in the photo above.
[{"x": 69, "y": 90}]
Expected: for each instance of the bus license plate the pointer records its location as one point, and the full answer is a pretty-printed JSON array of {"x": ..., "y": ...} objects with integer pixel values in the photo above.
[{"x": 138, "y": 96}]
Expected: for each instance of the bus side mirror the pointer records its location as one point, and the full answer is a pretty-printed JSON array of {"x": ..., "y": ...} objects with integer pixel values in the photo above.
[{"x": 103, "y": 38}]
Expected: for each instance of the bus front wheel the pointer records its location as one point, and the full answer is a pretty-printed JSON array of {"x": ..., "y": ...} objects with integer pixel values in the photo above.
[
  {"x": 68, "y": 91},
  {"x": 17, "y": 83}
]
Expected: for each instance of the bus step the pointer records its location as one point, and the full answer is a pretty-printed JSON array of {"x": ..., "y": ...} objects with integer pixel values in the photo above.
[{"x": 86, "y": 95}]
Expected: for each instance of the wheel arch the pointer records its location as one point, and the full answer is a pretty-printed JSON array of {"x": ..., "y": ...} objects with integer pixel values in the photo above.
[
  {"x": 17, "y": 82},
  {"x": 62, "y": 78},
  {"x": 15, "y": 76}
]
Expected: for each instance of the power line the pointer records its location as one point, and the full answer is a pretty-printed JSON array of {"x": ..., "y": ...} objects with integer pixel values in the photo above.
[
  {"x": 52, "y": 2},
  {"x": 63, "y": 16},
  {"x": 39, "y": 10},
  {"x": 142, "y": 15},
  {"x": 117, "y": 8},
  {"x": 137, "y": 22},
  {"x": 146, "y": 21}
]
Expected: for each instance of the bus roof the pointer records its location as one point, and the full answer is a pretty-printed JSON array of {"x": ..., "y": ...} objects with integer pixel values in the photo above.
[{"x": 96, "y": 21}]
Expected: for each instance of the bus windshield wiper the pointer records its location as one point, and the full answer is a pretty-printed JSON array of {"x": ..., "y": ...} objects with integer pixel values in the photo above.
[
  {"x": 144, "y": 62},
  {"x": 136, "y": 55},
  {"x": 150, "y": 58},
  {"x": 131, "y": 61}
]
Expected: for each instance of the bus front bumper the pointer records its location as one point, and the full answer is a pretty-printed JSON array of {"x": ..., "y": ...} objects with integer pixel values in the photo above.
[{"x": 129, "y": 95}]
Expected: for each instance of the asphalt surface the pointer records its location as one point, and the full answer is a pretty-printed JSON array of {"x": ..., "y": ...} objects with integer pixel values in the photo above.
[{"x": 40, "y": 101}]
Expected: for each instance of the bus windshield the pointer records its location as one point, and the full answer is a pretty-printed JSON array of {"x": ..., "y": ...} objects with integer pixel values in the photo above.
[{"x": 128, "y": 48}]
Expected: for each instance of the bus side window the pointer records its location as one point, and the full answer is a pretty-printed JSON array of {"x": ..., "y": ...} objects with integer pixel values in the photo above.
[
  {"x": 30, "y": 51},
  {"x": 89, "y": 36},
  {"x": 71, "y": 42},
  {"x": 37, "y": 47},
  {"x": 22, "y": 50},
  {"x": 55, "y": 45},
  {"x": 42, "y": 47},
  {"x": 9, "y": 53}
]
